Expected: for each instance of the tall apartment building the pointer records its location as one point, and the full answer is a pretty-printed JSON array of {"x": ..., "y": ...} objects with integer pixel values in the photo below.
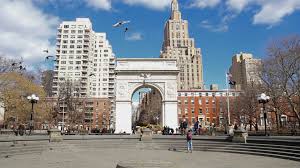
[
  {"x": 84, "y": 58},
  {"x": 245, "y": 70},
  {"x": 177, "y": 44}
]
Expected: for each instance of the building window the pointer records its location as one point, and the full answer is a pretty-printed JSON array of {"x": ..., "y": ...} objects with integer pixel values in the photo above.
[{"x": 200, "y": 111}]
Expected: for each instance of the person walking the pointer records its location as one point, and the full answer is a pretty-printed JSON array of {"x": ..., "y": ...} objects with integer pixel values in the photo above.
[
  {"x": 196, "y": 127},
  {"x": 189, "y": 141},
  {"x": 185, "y": 125}
]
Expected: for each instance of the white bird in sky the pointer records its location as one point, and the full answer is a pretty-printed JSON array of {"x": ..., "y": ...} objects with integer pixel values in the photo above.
[{"x": 120, "y": 23}]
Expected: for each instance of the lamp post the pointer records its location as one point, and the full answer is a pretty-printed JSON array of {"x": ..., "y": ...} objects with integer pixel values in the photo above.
[
  {"x": 263, "y": 98},
  {"x": 32, "y": 99}
]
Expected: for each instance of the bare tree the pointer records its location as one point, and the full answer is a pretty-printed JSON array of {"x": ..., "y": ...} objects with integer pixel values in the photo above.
[
  {"x": 247, "y": 108},
  {"x": 281, "y": 74},
  {"x": 73, "y": 104},
  {"x": 47, "y": 82}
]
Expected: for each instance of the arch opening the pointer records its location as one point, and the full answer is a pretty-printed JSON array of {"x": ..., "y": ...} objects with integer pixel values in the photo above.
[{"x": 147, "y": 107}]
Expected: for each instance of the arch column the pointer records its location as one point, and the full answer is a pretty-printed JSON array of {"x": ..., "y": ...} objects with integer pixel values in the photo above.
[{"x": 123, "y": 116}]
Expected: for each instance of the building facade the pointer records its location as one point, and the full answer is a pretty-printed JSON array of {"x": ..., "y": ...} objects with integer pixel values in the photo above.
[
  {"x": 208, "y": 106},
  {"x": 178, "y": 45},
  {"x": 245, "y": 70},
  {"x": 85, "y": 59},
  {"x": 86, "y": 113}
]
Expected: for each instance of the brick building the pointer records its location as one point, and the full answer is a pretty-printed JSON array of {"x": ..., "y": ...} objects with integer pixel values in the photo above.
[
  {"x": 150, "y": 108},
  {"x": 208, "y": 106},
  {"x": 86, "y": 113}
]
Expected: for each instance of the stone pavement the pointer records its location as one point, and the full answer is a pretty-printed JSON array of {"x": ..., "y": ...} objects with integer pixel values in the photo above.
[{"x": 76, "y": 157}]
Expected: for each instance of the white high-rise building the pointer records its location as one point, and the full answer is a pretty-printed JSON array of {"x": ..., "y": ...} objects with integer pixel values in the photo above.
[{"x": 84, "y": 58}]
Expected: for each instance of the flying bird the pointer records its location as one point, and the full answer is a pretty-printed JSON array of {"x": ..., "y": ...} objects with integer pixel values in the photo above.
[
  {"x": 16, "y": 63},
  {"x": 126, "y": 29},
  {"x": 22, "y": 68},
  {"x": 92, "y": 75},
  {"x": 120, "y": 23},
  {"x": 49, "y": 56},
  {"x": 46, "y": 51}
]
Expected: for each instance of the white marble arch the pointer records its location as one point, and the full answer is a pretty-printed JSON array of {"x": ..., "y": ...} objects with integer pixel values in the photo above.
[{"x": 135, "y": 73}]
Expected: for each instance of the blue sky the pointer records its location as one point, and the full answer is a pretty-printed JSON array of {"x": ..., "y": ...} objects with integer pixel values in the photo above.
[{"x": 221, "y": 28}]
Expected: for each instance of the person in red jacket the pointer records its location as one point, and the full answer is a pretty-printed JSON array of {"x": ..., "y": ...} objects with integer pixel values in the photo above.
[{"x": 189, "y": 141}]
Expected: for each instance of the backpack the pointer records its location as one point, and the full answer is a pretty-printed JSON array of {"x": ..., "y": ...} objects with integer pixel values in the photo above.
[{"x": 189, "y": 136}]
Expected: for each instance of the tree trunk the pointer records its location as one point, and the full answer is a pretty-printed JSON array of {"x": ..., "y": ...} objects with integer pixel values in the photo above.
[{"x": 277, "y": 123}]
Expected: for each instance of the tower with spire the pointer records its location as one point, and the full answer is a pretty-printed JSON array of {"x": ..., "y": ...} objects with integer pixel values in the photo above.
[{"x": 178, "y": 45}]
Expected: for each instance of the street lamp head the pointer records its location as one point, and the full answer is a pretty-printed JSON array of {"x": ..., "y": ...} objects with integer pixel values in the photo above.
[
  {"x": 263, "y": 98},
  {"x": 33, "y": 97}
]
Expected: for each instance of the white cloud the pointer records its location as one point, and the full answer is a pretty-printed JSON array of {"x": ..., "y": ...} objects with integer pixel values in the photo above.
[
  {"x": 272, "y": 13},
  {"x": 152, "y": 4},
  {"x": 237, "y": 5},
  {"x": 134, "y": 37},
  {"x": 100, "y": 4},
  {"x": 221, "y": 27},
  {"x": 205, "y": 3},
  {"x": 25, "y": 30},
  {"x": 267, "y": 12}
]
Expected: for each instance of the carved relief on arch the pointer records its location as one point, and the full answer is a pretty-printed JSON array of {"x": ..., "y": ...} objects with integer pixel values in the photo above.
[
  {"x": 122, "y": 90},
  {"x": 171, "y": 90}
]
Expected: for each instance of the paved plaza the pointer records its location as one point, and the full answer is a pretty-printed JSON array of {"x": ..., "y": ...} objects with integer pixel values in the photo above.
[{"x": 76, "y": 157}]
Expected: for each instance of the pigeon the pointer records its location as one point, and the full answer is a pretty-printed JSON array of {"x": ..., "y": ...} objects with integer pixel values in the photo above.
[
  {"x": 22, "y": 68},
  {"x": 231, "y": 82},
  {"x": 16, "y": 63},
  {"x": 126, "y": 29},
  {"x": 120, "y": 23},
  {"x": 49, "y": 56}
]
